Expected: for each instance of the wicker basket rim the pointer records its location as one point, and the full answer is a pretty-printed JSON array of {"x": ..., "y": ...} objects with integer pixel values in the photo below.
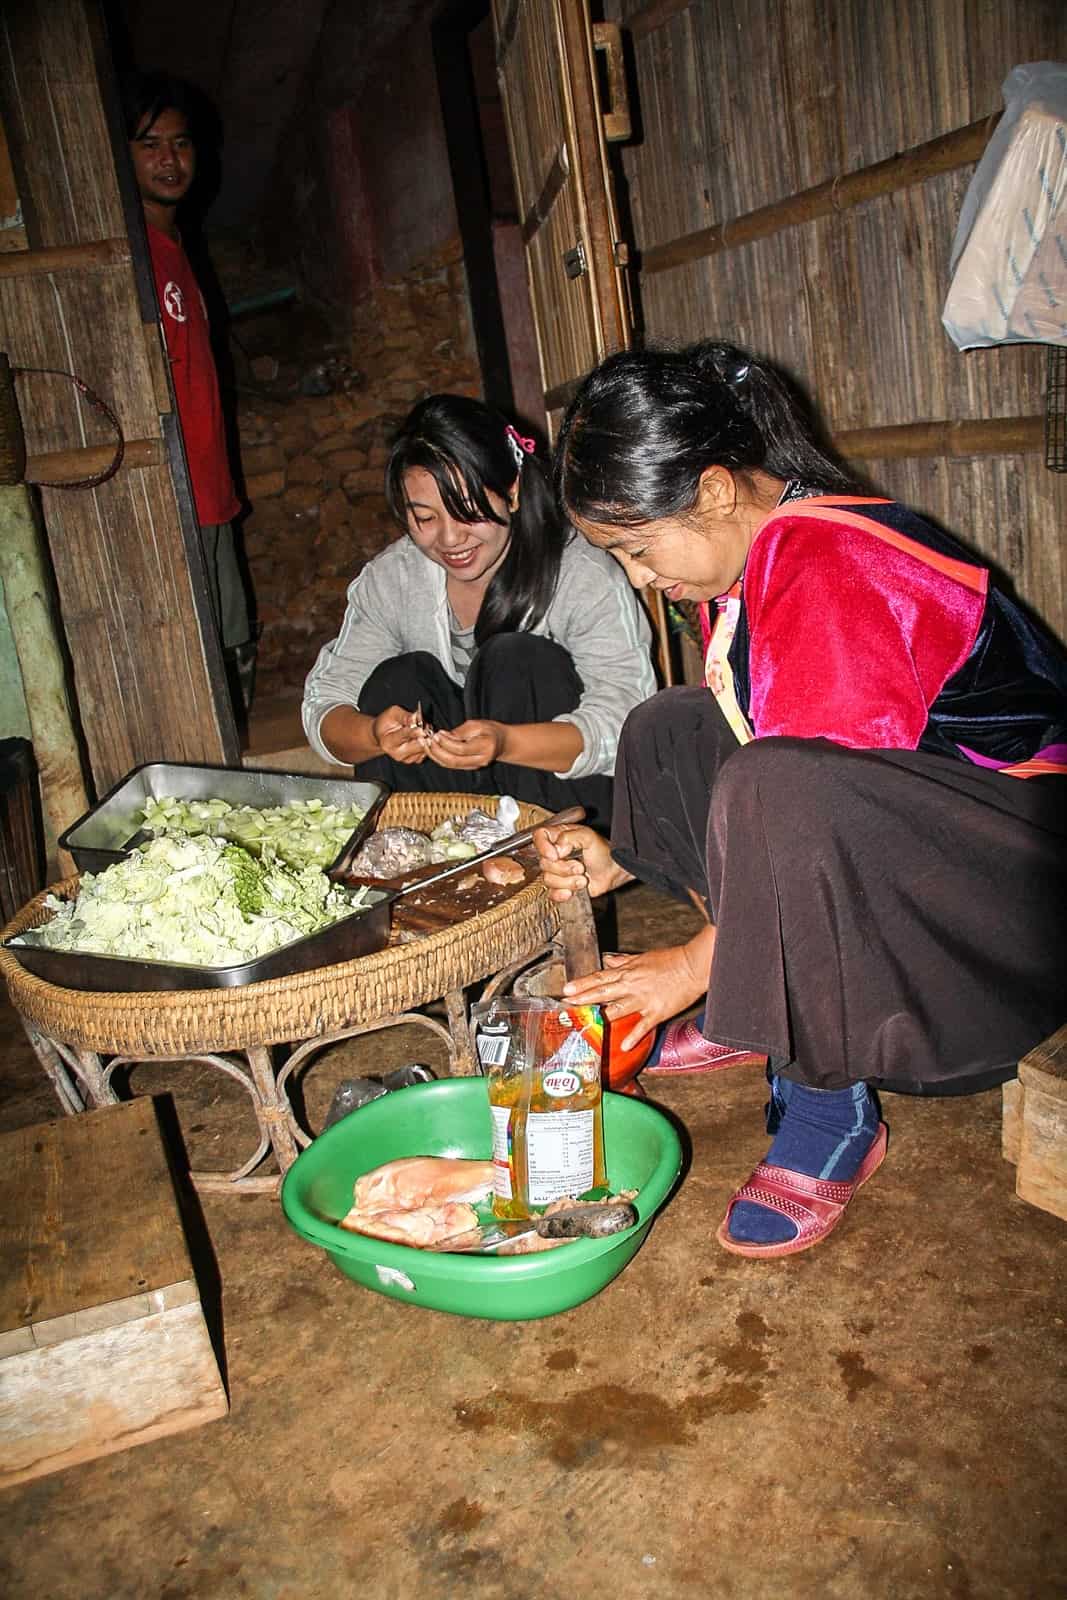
[{"x": 476, "y": 936}]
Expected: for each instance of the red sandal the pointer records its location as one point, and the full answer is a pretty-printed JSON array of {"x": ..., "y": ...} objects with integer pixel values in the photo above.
[
  {"x": 815, "y": 1205},
  {"x": 685, "y": 1049}
]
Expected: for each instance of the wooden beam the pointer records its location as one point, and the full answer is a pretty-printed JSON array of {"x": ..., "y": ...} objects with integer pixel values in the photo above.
[
  {"x": 922, "y": 161},
  {"x": 563, "y": 393},
  {"x": 65, "y": 258},
  {"x": 653, "y": 16},
  {"x": 64, "y": 466},
  {"x": 541, "y": 209},
  {"x": 992, "y": 436}
]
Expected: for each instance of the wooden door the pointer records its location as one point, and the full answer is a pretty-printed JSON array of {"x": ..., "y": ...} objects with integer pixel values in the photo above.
[
  {"x": 76, "y": 296},
  {"x": 558, "y": 134},
  {"x": 557, "y": 138}
]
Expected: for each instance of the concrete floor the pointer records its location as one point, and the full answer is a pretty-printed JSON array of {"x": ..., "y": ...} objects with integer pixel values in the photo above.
[{"x": 881, "y": 1417}]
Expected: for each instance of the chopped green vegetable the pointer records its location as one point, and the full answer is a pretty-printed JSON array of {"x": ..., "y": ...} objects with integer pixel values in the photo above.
[
  {"x": 195, "y": 901},
  {"x": 303, "y": 832}
]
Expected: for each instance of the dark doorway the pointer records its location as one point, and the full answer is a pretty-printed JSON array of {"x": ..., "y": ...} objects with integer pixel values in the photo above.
[{"x": 487, "y": 209}]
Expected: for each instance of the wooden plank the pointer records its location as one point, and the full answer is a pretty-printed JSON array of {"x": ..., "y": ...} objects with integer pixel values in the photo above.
[
  {"x": 1041, "y": 1174},
  {"x": 943, "y": 154},
  {"x": 89, "y": 325},
  {"x": 55, "y": 119},
  {"x": 103, "y": 1342},
  {"x": 67, "y": 258},
  {"x": 586, "y": 136},
  {"x": 1045, "y": 1066},
  {"x": 139, "y": 693},
  {"x": 653, "y": 16},
  {"x": 107, "y": 1390},
  {"x": 997, "y": 436},
  {"x": 63, "y": 466},
  {"x": 87, "y": 1214},
  {"x": 1011, "y": 1120}
]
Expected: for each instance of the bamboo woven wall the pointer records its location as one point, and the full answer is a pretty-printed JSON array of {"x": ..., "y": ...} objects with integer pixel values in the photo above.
[{"x": 743, "y": 103}]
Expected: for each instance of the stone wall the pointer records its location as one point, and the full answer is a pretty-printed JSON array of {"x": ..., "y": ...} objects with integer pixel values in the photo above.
[{"x": 313, "y": 463}]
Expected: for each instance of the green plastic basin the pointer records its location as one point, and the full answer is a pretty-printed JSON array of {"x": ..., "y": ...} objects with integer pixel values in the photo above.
[{"x": 451, "y": 1118}]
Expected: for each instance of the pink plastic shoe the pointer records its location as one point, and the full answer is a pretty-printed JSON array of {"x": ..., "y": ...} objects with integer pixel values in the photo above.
[
  {"x": 685, "y": 1049},
  {"x": 813, "y": 1205}
]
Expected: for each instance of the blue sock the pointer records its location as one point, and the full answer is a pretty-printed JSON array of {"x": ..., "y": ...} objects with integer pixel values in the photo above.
[
  {"x": 825, "y": 1133},
  {"x": 661, "y": 1034}
]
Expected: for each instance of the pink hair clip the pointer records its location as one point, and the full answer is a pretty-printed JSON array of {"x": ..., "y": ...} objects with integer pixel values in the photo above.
[{"x": 520, "y": 447}]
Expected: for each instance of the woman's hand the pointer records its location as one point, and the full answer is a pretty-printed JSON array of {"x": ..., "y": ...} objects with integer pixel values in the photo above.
[
  {"x": 652, "y": 987},
  {"x": 472, "y": 744},
  {"x": 401, "y": 735},
  {"x": 574, "y": 858}
]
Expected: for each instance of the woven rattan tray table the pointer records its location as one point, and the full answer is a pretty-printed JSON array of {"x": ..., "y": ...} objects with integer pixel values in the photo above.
[{"x": 81, "y": 1038}]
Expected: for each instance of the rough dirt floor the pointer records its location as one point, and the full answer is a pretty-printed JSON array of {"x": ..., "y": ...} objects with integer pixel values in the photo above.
[{"x": 881, "y": 1417}]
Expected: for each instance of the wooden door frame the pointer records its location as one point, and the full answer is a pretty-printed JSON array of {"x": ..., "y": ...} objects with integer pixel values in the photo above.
[
  {"x": 178, "y": 466},
  {"x": 450, "y": 35}
]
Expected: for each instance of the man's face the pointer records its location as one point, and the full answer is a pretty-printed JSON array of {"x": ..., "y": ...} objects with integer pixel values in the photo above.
[{"x": 164, "y": 159}]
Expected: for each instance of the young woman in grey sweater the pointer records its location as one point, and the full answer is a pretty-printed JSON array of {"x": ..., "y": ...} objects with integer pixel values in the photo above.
[{"x": 489, "y": 650}]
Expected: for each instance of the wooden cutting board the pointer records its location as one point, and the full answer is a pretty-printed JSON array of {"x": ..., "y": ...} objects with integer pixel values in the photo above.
[{"x": 443, "y": 905}]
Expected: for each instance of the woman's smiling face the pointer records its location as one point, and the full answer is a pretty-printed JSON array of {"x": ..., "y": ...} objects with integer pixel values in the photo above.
[{"x": 468, "y": 551}]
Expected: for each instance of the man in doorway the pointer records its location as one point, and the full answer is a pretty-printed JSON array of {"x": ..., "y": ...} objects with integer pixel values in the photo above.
[{"x": 160, "y": 125}]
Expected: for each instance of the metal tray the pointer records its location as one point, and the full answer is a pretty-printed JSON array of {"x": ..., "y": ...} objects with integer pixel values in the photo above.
[
  {"x": 364, "y": 932},
  {"x": 104, "y": 834}
]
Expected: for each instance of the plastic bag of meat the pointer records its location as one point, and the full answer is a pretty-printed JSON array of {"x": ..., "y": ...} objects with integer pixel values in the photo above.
[{"x": 391, "y": 852}]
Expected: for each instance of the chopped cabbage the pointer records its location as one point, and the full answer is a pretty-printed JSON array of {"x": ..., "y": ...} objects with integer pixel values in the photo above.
[
  {"x": 302, "y": 832},
  {"x": 197, "y": 901}
]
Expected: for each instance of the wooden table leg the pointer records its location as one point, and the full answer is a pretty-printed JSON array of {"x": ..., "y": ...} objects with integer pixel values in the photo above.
[
  {"x": 90, "y": 1070},
  {"x": 273, "y": 1104},
  {"x": 68, "y": 1093},
  {"x": 464, "y": 1061}
]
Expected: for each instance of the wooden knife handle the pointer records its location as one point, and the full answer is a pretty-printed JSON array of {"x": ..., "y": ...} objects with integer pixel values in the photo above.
[{"x": 581, "y": 947}]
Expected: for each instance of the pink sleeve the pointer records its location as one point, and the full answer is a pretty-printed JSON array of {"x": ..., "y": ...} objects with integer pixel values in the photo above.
[{"x": 851, "y": 638}]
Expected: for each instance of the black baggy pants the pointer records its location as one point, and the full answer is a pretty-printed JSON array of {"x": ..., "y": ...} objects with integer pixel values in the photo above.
[
  {"x": 882, "y": 915},
  {"x": 515, "y": 678}
]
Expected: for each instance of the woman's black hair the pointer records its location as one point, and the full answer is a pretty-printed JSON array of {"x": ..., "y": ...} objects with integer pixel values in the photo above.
[
  {"x": 645, "y": 425},
  {"x": 464, "y": 445}
]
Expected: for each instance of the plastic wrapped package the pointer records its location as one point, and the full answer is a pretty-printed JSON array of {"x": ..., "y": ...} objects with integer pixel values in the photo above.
[
  {"x": 478, "y": 828},
  {"x": 391, "y": 852},
  {"x": 542, "y": 1058},
  {"x": 1009, "y": 256}
]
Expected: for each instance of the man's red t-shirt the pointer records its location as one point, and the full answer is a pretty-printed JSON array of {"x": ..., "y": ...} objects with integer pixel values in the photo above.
[{"x": 196, "y": 385}]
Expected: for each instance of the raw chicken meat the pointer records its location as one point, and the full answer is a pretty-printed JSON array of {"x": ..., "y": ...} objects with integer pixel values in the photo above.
[
  {"x": 419, "y": 1200},
  {"x": 422, "y": 1181},
  {"x": 503, "y": 869},
  {"x": 419, "y": 1226}
]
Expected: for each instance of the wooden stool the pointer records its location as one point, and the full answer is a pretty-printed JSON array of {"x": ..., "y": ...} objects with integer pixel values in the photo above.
[
  {"x": 1034, "y": 1130},
  {"x": 103, "y": 1342}
]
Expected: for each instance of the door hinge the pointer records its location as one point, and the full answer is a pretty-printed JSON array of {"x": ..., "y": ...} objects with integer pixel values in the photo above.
[{"x": 574, "y": 263}]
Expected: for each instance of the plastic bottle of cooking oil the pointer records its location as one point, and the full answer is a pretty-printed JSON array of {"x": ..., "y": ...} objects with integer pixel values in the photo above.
[{"x": 542, "y": 1058}]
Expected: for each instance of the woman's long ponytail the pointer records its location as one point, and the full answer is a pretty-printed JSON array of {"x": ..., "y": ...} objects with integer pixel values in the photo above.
[{"x": 646, "y": 424}]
